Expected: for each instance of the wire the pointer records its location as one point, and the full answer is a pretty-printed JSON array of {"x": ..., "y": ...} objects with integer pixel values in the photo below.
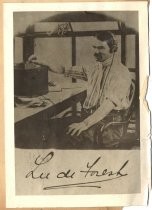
[{"x": 107, "y": 75}]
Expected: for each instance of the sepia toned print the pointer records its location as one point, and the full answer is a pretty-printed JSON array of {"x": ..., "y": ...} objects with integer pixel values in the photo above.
[
  {"x": 104, "y": 99},
  {"x": 67, "y": 102},
  {"x": 77, "y": 108}
]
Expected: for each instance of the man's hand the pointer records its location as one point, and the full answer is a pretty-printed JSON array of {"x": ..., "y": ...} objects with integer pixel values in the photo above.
[
  {"x": 76, "y": 128},
  {"x": 32, "y": 58},
  {"x": 59, "y": 69}
]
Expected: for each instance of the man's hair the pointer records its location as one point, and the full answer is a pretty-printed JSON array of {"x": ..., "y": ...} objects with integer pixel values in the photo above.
[{"x": 109, "y": 38}]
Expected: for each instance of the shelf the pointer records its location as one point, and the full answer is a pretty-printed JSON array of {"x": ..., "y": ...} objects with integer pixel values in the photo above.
[{"x": 70, "y": 34}]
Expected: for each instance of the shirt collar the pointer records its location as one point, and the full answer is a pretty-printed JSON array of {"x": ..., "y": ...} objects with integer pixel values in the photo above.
[{"x": 107, "y": 62}]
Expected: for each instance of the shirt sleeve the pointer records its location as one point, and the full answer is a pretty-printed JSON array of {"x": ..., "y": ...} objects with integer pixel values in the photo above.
[
  {"x": 78, "y": 72},
  {"x": 118, "y": 91}
]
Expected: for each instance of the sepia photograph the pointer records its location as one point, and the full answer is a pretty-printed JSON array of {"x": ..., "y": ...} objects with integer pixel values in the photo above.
[
  {"x": 76, "y": 80},
  {"x": 76, "y": 100}
]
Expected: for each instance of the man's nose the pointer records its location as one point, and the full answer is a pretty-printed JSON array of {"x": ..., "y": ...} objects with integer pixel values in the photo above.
[{"x": 96, "y": 50}]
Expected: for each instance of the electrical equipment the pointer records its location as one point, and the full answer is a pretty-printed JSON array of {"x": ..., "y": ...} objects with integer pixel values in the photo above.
[{"x": 30, "y": 80}]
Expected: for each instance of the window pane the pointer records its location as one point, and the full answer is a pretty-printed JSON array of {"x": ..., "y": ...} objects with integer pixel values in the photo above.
[
  {"x": 18, "y": 50},
  {"x": 130, "y": 51},
  {"x": 54, "y": 51},
  {"x": 84, "y": 51},
  {"x": 94, "y": 26}
]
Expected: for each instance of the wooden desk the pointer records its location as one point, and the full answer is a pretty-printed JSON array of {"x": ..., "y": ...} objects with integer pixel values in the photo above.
[
  {"x": 59, "y": 101},
  {"x": 32, "y": 123}
]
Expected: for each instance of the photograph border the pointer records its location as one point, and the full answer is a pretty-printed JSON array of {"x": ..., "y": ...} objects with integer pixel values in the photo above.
[{"x": 82, "y": 200}]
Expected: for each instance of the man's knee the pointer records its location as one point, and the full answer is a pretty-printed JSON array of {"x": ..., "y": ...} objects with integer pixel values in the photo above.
[{"x": 111, "y": 137}]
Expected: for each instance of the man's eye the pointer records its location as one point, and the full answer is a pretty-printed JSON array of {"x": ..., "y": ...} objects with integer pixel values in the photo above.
[
  {"x": 94, "y": 47},
  {"x": 101, "y": 47}
]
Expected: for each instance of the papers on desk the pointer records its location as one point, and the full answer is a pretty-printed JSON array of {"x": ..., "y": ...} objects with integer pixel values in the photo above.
[
  {"x": 40, "y": 101},
  {"x": 38, "y": 104},
  {"x": 22, "y": 100}
]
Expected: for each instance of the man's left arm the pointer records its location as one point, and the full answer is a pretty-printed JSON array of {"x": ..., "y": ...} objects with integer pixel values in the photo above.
[{"x": 105, "y": 108}]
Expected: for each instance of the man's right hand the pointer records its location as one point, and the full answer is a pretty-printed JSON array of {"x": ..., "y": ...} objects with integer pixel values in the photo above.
[
  {"x": 56, "y": 69},
  {"x": 32, "y": 58}
]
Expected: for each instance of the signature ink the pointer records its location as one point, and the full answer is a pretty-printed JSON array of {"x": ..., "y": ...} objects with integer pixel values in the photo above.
[
  {"x": 89, "y": 171},
  {"x": 109, "y": 176},
  {"x": 104, "y": 172},
  {"x": 66, "y": 174},
  {"x": 38, "y": 162}
]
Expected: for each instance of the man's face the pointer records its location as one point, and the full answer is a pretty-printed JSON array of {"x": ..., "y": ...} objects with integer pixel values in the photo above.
[{"x": 101, "y": 50}]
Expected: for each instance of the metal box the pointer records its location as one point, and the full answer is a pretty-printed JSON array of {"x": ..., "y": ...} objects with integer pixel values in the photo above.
[{"x": 30, "y": 82}]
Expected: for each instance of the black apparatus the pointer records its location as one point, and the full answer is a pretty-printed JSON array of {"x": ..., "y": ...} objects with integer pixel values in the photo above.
[{"x": 30, "y": 81}]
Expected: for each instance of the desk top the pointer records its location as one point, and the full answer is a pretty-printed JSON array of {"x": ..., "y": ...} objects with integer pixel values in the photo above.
[{"x": 53, "y": 98}]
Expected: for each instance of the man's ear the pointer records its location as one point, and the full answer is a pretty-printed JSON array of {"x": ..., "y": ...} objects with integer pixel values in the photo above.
[{"x": 114, "y": 48}]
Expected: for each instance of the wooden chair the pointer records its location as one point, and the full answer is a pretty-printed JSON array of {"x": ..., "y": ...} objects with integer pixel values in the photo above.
[{"x": 117, "y": 118}]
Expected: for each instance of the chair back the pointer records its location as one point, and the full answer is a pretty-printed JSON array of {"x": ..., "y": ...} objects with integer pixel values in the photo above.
[
  {"x": 128, "y": 112},
  {"x": 132, "y": 93}
]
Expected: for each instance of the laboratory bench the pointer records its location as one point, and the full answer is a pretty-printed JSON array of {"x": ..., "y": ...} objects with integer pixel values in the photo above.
[{"x": 32, "y": 117}]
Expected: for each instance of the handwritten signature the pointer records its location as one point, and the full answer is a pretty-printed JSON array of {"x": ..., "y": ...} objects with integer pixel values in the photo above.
[{"x": 89, "y": 171}]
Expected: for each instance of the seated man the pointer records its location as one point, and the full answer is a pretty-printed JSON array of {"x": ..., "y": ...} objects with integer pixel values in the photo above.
[{"x": 108, "y": 89}]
